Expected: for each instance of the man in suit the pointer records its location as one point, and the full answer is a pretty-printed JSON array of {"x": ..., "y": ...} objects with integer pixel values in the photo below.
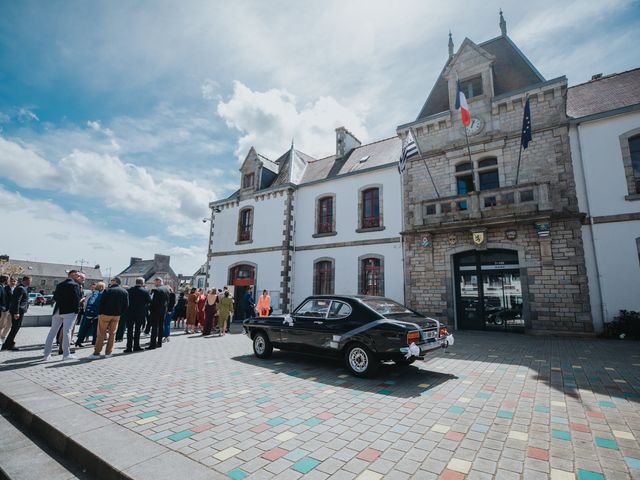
[
  {"x": 159, "y": 304},
  {"x": 114, "y": 304},
  {"x": 139, "y": 299},
  {"x": 17, "y": 308},
  {"x": 67, "y": 296},
  {"x": 5, "y": 316}
]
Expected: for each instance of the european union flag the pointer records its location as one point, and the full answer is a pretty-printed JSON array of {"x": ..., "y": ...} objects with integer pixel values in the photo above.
[{"x": 526, "y": 126}]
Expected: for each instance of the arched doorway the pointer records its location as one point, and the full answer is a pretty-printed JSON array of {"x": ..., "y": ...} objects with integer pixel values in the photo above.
[
  {"x": 488, "y": 290},
  {"x": 241, "y": 276}
]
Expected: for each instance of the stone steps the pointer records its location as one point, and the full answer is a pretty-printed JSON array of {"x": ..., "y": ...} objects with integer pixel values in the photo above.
[{"x": 23, "y": 457}]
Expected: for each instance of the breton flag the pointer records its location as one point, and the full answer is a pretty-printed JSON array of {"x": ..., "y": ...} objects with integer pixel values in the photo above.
[
  {"x": 526, "y": 126},
  {"x": 461, "y": 104},
  {"x": 409, "y": 149}
]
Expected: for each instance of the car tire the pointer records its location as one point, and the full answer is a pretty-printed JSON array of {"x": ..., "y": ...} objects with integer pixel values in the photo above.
[
  {"x": 262, "y": 345},
  {"x": 360, "y": 361},
  {"x": 404, "y": 362}
]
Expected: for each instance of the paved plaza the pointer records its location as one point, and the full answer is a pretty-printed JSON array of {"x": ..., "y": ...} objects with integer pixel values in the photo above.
[{"x": 493, "y": 406}]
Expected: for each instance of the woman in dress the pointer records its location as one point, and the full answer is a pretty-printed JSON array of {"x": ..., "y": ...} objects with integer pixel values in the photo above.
[
  {"x": 192, "y": 310},
  {"x": 202, "y": 298},
  {"x": 224, "y": 311},
  {"x": 180, "y": 311},
  {"x": 264, "y": 304},
  {"x": 210, "y": 312}
]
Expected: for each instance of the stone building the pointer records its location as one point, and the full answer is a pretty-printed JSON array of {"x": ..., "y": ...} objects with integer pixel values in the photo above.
[
  {"x": 149, "y": 270},
  {"x": 46, "y": 276},
  {"x": 482, "y": 250}
]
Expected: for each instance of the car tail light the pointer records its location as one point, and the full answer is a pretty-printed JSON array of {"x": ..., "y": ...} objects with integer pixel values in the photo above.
[
  {"x": 413, "y": 337},
  {"x": 444, "y": 331}
]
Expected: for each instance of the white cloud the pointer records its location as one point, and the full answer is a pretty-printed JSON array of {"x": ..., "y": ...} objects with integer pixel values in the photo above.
[
  {"x": 269, "y": 120},
  {"x": 119, "y": 185},
  {"x": 70, "y": 235}
]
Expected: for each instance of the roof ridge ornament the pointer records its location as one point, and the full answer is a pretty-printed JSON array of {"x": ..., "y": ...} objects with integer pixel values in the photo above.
[
  {"x": 450, "y": 46},
  {"x": 503, "y": 25}
]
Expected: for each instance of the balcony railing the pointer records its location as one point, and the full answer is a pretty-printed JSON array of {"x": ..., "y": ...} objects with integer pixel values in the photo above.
[
  {"x": 494, "y": 203},
  {"x": 245, "y": 233}
]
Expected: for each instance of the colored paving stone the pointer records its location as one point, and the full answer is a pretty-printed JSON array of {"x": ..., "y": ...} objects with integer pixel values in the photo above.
[
  {"x": 560, "y": 434},
  {"x": 180, "y": 435},
  {"x": 385, "y": 391},
  {"x": 237, "y": 474},
  {"x": 152, "y": 413},
  {"x": 462, "y": 404},
  {"x": 589, "y": 475},
  {"x": 606, "y": 443},
  {"x": 305, "y": 465}
]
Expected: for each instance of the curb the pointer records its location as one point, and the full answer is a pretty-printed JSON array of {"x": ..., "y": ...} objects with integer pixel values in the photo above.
[{"x": 106, "y": 450}]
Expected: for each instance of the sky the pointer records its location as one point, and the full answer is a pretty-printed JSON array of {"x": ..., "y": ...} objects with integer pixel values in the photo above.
[{"x": 120, "y": 121}]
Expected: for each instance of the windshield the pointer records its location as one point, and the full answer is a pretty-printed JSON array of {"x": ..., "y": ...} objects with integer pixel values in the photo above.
[{"x": 384, "y": 306}]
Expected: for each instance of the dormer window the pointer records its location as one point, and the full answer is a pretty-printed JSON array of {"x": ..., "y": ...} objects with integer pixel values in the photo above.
[
  {"x": 248, "y": 180},
  {"x": 472, "y": 87}
]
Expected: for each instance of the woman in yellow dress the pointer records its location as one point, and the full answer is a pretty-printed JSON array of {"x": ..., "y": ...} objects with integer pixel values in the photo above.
[{"x": 225, "y": 308}]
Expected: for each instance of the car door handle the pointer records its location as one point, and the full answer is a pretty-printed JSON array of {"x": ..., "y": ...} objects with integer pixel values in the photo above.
[{"x": 318, "y": 322}]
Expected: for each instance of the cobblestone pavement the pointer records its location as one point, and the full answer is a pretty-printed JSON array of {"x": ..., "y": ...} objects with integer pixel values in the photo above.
[{"x": 493, "y": 406}]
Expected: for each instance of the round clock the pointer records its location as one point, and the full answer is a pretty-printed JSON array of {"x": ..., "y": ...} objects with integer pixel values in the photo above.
[{"x": 475, "y": 126}]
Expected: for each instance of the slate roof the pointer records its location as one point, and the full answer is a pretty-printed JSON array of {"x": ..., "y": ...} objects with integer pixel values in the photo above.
[
  {"x": 511, "y": 71},
  {"x": 379, "y": 153},
  {"x": 141, "y": 268},
  {"x": 268, "y": 164},
  {"x": 54, "y": 270},
  {"x": 604, "y": 94}
]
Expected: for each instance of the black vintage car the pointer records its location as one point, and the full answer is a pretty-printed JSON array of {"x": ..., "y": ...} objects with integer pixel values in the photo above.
[{"x": 363, "y": 330}]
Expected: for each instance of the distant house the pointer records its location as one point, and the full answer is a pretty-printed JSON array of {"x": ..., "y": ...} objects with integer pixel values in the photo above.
[
  {"x": 46, "y": 276},
  {"x": 149, "y": 270},
  {"x": 198, "y": 279}
]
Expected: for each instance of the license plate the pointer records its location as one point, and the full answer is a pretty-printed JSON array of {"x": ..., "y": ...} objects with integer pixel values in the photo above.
[{"x": 429, "y": 335}]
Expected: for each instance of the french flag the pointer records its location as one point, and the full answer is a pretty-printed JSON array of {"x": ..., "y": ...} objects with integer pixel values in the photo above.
[{"x": 461, "y": 104}]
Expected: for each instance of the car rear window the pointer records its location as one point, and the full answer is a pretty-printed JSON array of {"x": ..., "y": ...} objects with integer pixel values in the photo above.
[
  {"x": 339, "y": 310},
  {"x": 384, "y": 306}
]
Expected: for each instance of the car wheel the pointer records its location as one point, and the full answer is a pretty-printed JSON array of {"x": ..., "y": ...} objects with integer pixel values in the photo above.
[
  {"x": 262, "y": 345},
  {"x": 360, "y": 361},
  {"x": 403, "y": 362}
]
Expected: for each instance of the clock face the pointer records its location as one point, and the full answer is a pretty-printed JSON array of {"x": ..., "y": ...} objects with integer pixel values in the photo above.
[{"x": 475, "y": 126}]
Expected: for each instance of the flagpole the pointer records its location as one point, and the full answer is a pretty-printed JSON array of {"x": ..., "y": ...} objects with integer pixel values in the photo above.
[{"x": 415, "y": 139}]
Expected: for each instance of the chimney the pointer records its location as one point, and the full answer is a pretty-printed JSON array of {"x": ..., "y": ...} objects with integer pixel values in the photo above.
[
  {"x": 161, "y": 261},
  {"x": 345, "y": 142},
  {"x": 134, "y": 260}
]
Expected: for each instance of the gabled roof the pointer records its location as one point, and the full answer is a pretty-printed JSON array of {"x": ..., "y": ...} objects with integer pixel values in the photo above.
[
  {"x": 604, "y": 94},
  {"x": 367, "y": 156},
  {"x": 139, "y": 269},
  {"x": 293, "y": 164},
  {"x": 54, "y": 270},
  {"x": 511, "y": 71}
]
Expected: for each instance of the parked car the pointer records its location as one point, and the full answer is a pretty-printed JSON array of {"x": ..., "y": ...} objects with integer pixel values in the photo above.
[
  {"x": 41, "y": 300},
  {"x": 363, "y": 330},
  {"x": 33, "y": 296}
]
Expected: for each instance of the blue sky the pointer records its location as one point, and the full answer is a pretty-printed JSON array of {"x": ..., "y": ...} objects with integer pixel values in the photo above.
[{"x": 120, "y": 121}]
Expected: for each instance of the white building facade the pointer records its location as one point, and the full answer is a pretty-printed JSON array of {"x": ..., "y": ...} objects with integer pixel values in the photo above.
[
  {"x": 605, "y": 149},
  {"x": 300, "y": 226}
]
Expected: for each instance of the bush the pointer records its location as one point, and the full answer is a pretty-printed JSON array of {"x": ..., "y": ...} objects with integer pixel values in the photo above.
[{"x": 626, "y": 324}]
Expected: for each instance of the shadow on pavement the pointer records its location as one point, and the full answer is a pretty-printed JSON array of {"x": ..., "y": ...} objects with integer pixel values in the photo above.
[{"x": 396, "y": 381}]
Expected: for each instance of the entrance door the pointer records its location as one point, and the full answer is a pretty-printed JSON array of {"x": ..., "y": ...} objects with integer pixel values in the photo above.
[
  {"x": 488, "y": 291},
  {"x": 241, "y": 277}
]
